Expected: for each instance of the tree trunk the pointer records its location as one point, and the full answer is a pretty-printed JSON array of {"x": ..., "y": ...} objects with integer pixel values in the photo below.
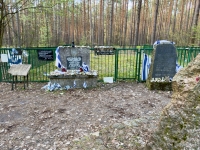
[
  {"x": 174, "y": 22},
  {"x": 2, "y": 11},
  {"x": 132, "y": 25},
  {"x": 138, "y": 22},
  {"x": 195, "y": 22},
  {"x": 155, "y": 22},
  {"x": 111, "y": 23},
  {"x": 125, "y": 21},
  {"x": 100, "y": 42}
]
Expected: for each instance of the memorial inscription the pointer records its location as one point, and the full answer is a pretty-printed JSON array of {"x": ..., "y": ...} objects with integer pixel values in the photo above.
[
  {"x": 74, "y": 63},
  {"x": 45, "y": 55}
]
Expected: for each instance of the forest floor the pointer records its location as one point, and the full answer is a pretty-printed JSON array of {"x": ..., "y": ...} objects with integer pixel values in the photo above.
[{"x": 121, "y": 115}]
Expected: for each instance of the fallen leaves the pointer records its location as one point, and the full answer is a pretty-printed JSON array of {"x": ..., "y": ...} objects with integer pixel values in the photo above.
[{"x": 57, "y": 120}]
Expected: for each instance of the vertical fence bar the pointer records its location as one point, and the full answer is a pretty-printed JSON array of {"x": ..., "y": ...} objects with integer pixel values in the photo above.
[
  {"x": 116, "y": 64},
  {"x": 136, "y": 68},
  {"x": 138, "y": 76},
  {"x": 1, "y": 71}
]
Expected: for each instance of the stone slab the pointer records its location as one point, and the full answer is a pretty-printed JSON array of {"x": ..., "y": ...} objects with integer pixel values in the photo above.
[
  {"x": 74, "y": 52},
  {"x": 164, "y": 62}
]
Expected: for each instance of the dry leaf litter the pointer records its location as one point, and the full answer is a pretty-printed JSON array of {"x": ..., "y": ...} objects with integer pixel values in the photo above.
[{"x": 121, "y": 115}]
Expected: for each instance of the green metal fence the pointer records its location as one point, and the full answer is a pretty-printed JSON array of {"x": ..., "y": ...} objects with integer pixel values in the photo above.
[{"x": 126, "y": 63}]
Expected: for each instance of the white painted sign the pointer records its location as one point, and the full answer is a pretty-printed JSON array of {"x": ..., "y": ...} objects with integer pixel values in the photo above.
[{"x": 4, "y": 58}]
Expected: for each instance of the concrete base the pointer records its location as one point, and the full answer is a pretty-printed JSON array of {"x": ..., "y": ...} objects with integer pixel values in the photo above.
[
  {"x": 64, "y": 80},
  {"x": 163, "y": 86}
]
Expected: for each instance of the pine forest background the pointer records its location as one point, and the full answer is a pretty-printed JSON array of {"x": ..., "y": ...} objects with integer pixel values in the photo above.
[{"x": 47, "y": 23}]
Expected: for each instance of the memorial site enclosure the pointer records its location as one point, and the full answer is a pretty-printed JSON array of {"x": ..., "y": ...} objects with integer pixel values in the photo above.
[{"x": 123, "y": 64}]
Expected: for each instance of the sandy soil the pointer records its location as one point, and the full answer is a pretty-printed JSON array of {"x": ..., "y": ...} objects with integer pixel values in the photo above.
[{"x": 39, "y": 119}]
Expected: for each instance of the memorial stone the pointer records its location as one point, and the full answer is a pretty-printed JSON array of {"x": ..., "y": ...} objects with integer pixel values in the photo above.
[
  {"x": 73, "y": 57},
  {"x": 163, "y": 66}
]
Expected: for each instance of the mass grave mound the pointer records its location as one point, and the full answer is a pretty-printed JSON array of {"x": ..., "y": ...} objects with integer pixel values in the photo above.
[{"x": 179, "y": 123}]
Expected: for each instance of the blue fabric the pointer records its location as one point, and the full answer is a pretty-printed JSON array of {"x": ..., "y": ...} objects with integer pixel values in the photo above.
[
  {"x": 85, "y": 67},
  {"x": 13, "y": 58},
  {"x": 15, "y": 61},
  {"x": 145, "y": 66},
  {"x": 178, "y": 67}
]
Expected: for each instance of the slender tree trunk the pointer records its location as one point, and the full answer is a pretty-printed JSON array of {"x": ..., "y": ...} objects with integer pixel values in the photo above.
[
  {"x": 132, "y": 25},
  {"x": 195, "y": 22},
  {"x": 111, "y": 23},
  {"x": 169, "y": 18},
  {"x": 100, "y": 42},
  {"x": 155, "y": 22},
  {"x": 125, "y": 21},
  {"x": 174, "y": 21},
  {"x": 2, "y": 24},
  {"x": 84, "y": 18},
  {"x": 138, "y": 22}
]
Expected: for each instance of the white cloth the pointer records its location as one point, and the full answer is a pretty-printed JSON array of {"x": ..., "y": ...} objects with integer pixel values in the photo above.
[
  {"x": 58, "y": 60},
  {"x": 162, "y": 42}
]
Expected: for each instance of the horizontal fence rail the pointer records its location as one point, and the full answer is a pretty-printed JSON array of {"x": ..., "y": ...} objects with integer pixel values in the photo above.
[{"x": 123, "y": 64}]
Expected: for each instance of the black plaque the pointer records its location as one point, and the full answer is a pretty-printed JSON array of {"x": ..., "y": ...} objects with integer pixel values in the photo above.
[
  {"x": 164, "y": 63},
  {"x": 18, "y": 51},
  {"x": 104, "y": 51},
  {"x": 45, "y": 55},
  {"x": 74, "y": 62}
]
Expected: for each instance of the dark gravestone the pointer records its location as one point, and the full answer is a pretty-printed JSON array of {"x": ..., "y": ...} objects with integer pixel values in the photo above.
[
  {"x": 163, "y": 65},
  {"x": 164, "y": 61}
]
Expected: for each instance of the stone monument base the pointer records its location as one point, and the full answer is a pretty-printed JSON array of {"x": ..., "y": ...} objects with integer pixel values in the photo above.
[
  {"x": 77, "y": 80},
  {"x": 163, "y": 86}
]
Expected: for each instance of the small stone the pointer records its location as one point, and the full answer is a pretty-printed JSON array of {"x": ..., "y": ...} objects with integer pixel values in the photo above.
[
  {"x": 118, "y": 126},
  {"x": 95, "y": 133}
]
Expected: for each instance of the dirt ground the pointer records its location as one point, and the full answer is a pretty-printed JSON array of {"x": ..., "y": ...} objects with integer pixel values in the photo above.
[{"x": 37, "y": 119}]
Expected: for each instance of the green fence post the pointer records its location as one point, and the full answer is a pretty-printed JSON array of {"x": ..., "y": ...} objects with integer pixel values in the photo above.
[
  {"x": 138, "y": 75},
  {"x": 116, "y": 64},
  {"x": 136, "y": 64},
  {"x": 0, "y": 72}
]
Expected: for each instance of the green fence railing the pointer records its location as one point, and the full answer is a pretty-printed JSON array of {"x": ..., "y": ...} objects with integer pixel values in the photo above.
[{"x": 126, "y": 63}]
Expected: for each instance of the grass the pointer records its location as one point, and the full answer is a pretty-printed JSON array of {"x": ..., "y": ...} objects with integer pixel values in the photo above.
[{"x": 125, "y": 64}]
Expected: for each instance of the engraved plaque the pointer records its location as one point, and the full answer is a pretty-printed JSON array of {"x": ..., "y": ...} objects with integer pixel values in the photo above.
[
  {"x": 45, "y": 55},
  {"x": 74, "y": 63}
]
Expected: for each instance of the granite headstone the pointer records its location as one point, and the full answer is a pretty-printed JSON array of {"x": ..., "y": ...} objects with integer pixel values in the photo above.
[
  {"x": 73, "y": 57},
  {"x": 163, "y": 66},
  {"x": 164, "y": 63}
]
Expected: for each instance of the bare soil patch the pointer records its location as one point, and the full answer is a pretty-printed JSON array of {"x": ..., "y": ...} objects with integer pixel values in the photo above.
[{"x": 39, "y": 119}]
